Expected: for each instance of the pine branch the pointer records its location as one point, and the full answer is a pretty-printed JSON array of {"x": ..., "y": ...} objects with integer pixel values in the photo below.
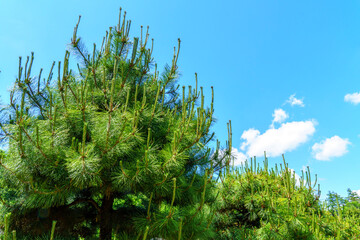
[{"x": 82, "y": 200}]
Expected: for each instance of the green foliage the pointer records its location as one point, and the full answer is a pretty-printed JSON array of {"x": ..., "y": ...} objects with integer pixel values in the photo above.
[
  {"x": 114, "y": 144},
  {"x": 258, "y": 203},
  {"x": 342, "y": 214}
]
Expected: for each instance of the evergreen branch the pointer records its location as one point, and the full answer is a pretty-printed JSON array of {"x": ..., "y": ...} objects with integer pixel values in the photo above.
[
  {"x": 76, "y": 41},
  {"x": 137, "y": 171},
  {"x": 180, "y": 174},
  {"x": 7, "y": 134},
  {"x": 192, "y": 181},
  {"x": 58, "y": 190},
  {"x": 202, "y": 157},
  {"x": 173, "y": 198},
  {"x": 94, "y": 65},
  {"x": 111, "y": 103},
  {"x": 122, "y": 170},
  {"x": 35, "y": 145},
  {"x": 83, "y": 155},
  {"x": 81, "y": 200},
  {"x": 30, "y": 94},
  {"x": 131, "y": 65},
  {"x": 146, "y": 232},
  {"x": 190, "y": 145},
  {"x": 73, "y": 93},
  {"x": 148, "y": 210},
  {"x": 13, "y": 173},
  {"x": 160, "y": 183},
  {"x": 119, "y": 139},
  {"x": 203, "y": 193},
  {"x": 27, "y": 81},
  {"x": 3, "y": 202},
  {"x": 29, "y": 182}
]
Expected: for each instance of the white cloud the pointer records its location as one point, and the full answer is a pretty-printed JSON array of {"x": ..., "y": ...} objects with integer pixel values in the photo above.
[
  {"x": 293, "y": 101},
  {"x": 279, "y": 116},
  {"x": 276, "y": 141},
  {"x": 331, "y": 147},
  {"x": 250, "y": 136},
  {"x": 357, "y": 192},
  {"x": 239, "y": 157},
  {"x": 353, "y": 98}
]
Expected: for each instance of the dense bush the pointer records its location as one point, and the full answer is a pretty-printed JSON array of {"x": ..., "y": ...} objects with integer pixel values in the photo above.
[
  {"x": 256, "y": 202},
  {"x": 262, "y": 203}
]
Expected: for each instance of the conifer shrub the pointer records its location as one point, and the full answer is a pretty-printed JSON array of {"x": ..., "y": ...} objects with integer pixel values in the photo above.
[
  {"x": 113, "y": 147},
  {"x": 261, "y": 203}
]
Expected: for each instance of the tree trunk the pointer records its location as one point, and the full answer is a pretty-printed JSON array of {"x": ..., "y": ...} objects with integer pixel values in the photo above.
[{"x": 105, "y": 217}]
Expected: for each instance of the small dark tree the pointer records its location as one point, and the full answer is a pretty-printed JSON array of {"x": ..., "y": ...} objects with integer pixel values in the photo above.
[{"x": 114, "y": 128}]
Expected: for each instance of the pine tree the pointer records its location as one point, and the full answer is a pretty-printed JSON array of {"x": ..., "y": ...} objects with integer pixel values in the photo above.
[
  {"x": 81, "y": 144},
  {"x": 268, "y": 203},
  {"x": 273, "y": 203}
]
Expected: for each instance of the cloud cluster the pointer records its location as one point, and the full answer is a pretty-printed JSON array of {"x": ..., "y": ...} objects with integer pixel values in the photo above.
[
  {"x": 289, "y": 136},
  {"x": 276, "y": 141},
  {"x": 279, "y": 116},
  {"x": 330, "y": 147},
  {"x": 293, "y": 101},
  {"x": 353, "y": 98}
]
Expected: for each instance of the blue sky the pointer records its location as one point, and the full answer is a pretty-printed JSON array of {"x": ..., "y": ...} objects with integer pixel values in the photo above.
[{"x": 256, "y": 54}]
